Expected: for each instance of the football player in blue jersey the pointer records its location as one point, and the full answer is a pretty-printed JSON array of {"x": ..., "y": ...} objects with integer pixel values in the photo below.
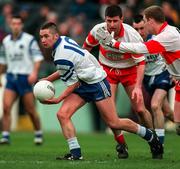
[
  {"x": 21, "y": 55},
  {"x": 86, "y": 81}
]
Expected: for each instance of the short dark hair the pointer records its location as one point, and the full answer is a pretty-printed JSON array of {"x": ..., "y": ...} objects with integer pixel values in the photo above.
[
  {"x": 155, "y": 12},
  {"x": 50, "y": 25},
  {"x": 113, "y": 10},
  {"x": 138, "y": 18},
  {"x": 15, "y": 16}
]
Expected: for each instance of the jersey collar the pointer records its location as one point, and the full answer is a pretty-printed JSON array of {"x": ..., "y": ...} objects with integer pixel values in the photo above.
[
  {"x": 57, "y": 43},
  {"x": 19, "y": 37},
  {"x": 162, "y": 27},
  {"x": 121, "y": 32}
]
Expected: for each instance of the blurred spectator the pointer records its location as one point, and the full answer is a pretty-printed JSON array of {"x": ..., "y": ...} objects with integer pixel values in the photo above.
[
  {"x": 128, "y": 15},
  {"x": 29, "y": 18},
  {"x": 74, "y": 28},
  {"x": 171, "y": 14},
  {"x": 43, "y": 13},
  {"x": 84, "y": 9},
  {"x": 5, "y": 17},
  {"x": 52, "y": 16},
  {"x": 63, "y": 29},
  {"x": 105, "y": 3},
  {"x": 147, "y": 3}
]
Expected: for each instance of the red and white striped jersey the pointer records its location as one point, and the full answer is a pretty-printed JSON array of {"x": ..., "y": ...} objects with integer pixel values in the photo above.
[
  {"x": 167, "y": 43},
  {"x": 112, "y": 57}
]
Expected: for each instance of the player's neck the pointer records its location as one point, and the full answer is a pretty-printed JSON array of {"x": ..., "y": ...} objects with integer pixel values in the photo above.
[
  {"x": 157, "y": 28},
  {"x": 15, "y": 36}
]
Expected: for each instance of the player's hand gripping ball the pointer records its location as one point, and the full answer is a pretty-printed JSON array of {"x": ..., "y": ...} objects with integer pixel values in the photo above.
[{"x": 44, "y": 90}]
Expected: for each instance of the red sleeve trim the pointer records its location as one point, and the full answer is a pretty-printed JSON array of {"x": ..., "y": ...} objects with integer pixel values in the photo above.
[
  {"x": 91, "y": 39},
  {"x": 117, "y": 45},
  {"x": 142, "y": 62},
  {"x": 85, "y": 45},
  {"x": 154, "y": 47}
]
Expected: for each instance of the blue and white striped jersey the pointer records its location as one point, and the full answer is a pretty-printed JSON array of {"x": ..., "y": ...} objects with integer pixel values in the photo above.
[
  {"x": 75, "y": 63},
  {"x": 19, "y": 55}
]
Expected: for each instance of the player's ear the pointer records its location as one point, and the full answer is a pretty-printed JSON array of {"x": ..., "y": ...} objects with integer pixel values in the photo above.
[
  {"x": 56, "y": 35},
  {"x": 122, "y": 18},
  {"x": 151, "y": 20}
]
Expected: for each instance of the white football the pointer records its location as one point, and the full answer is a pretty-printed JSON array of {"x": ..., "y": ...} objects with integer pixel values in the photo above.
[{"x": 43, "y": 90}]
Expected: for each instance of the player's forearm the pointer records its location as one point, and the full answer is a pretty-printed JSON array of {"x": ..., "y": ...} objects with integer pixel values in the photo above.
[
  {"x": 37, "y": 67},
  {"x": 125, "y": 47},
  {"x": 140, "y": 75},
  {"x": 68, "y": 91},
  {"x": 54, "y": 76}
]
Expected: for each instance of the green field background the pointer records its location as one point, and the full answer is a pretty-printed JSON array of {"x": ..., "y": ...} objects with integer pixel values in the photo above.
[{"x": 98, "y": 150}]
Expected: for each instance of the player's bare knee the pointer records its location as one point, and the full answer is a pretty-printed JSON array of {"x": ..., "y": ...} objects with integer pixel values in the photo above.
[
  {"x": 31, "y": 111},
  {"x": 140, "y": 111},
  {"x": 155, "y": 107},
  {"x": 62, "y": 116},
  {"x": 6, "y": 110}
]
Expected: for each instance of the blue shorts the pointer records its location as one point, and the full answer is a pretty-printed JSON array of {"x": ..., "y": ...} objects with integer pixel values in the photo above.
[
  {"x": 161, "y": 81},
  {"x": 94, "y": 92},
  {"x": 18, "y": 83}
]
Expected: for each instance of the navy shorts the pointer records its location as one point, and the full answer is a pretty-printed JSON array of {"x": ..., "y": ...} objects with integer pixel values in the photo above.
[
  {"x": 161, "y": 81},
  {"x": 94, "y": 92},
  {"x": 18, "y": 83}
]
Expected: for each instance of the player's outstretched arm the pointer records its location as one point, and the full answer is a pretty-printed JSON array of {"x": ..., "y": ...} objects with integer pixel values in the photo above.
[{"x": 124, "y": 47}]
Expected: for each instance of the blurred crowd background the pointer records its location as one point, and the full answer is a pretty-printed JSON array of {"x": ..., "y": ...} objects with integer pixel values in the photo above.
[{"x": 75, "y": 18}]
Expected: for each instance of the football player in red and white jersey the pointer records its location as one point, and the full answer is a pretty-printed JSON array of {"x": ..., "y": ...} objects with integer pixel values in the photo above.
[
  {"x": 166, "y": 42},
  {"x": 126, "y": 69},
  {"x": 157, "y": 82}
]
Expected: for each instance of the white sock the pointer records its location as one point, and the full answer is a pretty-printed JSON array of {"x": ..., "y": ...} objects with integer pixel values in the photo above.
[
  {"x": 141, "y": 131},
  {"x": 160, "y": 132},
  {"x": 38, "y": 132},
  {"x": 73, "y": 143},
  {"x": 5, "y": 133}
]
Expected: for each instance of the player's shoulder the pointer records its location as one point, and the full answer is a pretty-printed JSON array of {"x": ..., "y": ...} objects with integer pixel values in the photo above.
[
  {"x": 96, "y": 27},
  {"x": 172, "y": 30},
  {"x": 169, "y": 33},
  {"x": 100, "y": 25},
  {"x": 27, "y": 36},
  {"x": 131, "y": 33},
  {"x": 7, "y": 38},
  {"x": 129, "y": 28}
]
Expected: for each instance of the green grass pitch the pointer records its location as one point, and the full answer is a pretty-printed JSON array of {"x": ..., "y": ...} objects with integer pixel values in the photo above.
[{"x": 98, "y": 151}]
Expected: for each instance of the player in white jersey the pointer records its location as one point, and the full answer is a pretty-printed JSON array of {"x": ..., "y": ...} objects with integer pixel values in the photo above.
[
  {"x": 157, "y": 82},
  {"x": 22, "y": 57},
  {"x": 126, "y": 69},
  {"x": 86, "y": 81},
  {"x": 166, "y": 42}
]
